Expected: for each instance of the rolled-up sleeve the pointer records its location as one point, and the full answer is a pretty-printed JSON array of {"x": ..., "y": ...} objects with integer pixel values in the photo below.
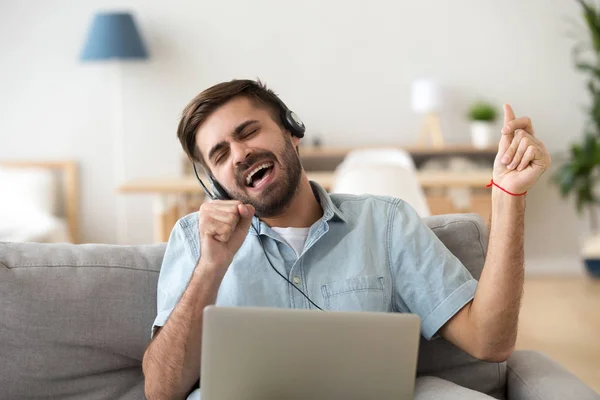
[
  {"x": 180, "y": 259},
  {"x": 428, "y": 279}
]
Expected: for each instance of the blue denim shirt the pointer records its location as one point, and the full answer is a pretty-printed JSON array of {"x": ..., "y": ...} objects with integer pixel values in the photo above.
[{"x": 366, "y": 253}]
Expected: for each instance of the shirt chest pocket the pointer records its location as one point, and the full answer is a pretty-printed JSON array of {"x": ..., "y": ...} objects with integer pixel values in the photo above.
[{"x": 360, "y": 293}]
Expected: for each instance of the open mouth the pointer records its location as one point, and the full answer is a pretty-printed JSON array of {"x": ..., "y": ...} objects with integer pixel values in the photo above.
[{"x": 259, "y": 174}]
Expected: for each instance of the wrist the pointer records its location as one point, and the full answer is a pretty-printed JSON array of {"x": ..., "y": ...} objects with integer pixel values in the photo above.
[
  {"x": 503, "y": 202},
  {"x": 210, "y": 271},
  {"x": 493, "y": 184}
]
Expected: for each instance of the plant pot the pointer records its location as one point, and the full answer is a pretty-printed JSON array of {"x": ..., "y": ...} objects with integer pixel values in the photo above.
[
  {"x": 481, "y": 134},
  {"x": 591, "y": 255}
]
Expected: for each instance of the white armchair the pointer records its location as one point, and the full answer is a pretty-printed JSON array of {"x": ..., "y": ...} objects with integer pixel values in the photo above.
[
  {"x": 386, "y": 172},
  {"x": 380, "y": 155}
]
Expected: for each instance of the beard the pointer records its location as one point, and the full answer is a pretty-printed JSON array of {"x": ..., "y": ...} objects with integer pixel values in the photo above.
[{"x": 273, "y": 199}]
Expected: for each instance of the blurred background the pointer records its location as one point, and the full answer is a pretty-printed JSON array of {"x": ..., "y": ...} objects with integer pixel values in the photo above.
[{"x": 406, "y": 75}]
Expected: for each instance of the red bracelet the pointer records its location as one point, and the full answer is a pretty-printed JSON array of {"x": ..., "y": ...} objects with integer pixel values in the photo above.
[{"x": 504, "y": 190}]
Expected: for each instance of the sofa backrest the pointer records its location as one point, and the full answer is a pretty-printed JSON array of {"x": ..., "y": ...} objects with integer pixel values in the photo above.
[{"x": 75, "y": 319}]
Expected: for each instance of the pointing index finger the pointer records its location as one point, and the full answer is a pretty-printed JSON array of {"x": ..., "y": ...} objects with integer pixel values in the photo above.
[
  {"x": 507, "y": 134},
  {"x": 509, "y": 115}
]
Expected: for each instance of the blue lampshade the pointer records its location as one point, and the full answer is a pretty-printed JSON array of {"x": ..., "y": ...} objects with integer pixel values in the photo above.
[{"x": 113, "y": 36}]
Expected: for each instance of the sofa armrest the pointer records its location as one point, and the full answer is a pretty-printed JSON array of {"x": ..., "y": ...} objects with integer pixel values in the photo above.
[{"x": 534, "y": 376}]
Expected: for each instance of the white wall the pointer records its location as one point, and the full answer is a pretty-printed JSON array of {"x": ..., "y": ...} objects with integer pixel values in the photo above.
[{"x": 344, "y": 66}]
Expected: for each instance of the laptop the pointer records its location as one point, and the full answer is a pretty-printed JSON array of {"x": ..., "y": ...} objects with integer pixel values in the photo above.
[{"x": 274, "y": 353}]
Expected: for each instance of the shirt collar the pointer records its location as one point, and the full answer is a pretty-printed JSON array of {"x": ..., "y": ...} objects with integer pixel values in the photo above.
[{"x": 330, "y": 210}]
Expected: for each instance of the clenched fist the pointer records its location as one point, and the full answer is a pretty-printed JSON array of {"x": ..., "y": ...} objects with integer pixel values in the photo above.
[{"x": 223, "y": 226}]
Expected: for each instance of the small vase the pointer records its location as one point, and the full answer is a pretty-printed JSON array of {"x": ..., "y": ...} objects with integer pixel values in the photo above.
[{"x": 481, "y": 134}]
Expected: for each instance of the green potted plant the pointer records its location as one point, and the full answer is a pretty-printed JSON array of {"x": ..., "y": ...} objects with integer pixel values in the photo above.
[
  {"x": 482, "y": 115},
  {"x": 579, "y": 169}
]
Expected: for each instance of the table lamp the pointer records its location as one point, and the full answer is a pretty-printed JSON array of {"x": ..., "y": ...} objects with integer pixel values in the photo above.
[
  {"x": 114, "y": 37},
  {"x": 427, "y": 99}
]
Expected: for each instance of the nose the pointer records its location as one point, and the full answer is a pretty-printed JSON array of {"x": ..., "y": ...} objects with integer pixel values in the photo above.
[{"x": 239, "y": 152}]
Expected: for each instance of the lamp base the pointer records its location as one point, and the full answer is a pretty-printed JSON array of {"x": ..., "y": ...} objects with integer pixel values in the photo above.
[{"x": 431, "y": 129}]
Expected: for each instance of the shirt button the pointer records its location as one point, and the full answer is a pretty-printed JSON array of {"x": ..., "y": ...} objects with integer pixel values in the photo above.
[{"x": 296, "y": 280}]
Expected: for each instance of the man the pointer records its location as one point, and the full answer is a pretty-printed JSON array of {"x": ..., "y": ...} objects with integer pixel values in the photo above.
[{"x": 341, "y": 252}]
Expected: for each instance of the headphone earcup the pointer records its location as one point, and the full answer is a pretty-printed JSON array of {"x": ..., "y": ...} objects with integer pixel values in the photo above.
[{"x": 294, "y": 123}]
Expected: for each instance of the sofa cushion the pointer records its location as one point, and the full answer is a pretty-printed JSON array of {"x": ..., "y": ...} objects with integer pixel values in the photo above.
[{"x": 74, "y": 319}]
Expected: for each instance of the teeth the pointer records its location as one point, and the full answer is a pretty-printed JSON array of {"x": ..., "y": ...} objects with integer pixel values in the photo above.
[{"x": 255, "y": 170}]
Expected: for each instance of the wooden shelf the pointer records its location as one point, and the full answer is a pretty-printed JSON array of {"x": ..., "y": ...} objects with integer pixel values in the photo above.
[
  {"x": 328, "y": 158},
  {"x": 311, "y": 151}
]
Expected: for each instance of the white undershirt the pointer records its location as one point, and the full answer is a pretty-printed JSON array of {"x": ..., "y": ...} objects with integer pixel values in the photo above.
[{"x": 295, "y": 237}]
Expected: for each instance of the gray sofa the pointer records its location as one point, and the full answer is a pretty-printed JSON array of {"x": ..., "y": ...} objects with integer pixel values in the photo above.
[{"x": 75, "y": 320}]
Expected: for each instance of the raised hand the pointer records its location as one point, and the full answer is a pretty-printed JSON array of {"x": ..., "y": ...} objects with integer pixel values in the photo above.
[{"x": 522, "y": 158}]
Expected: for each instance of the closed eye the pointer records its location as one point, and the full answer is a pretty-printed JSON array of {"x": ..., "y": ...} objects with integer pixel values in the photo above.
[
  {"x": 250, "y": 133},
  {"x": 221, "y": 156}
]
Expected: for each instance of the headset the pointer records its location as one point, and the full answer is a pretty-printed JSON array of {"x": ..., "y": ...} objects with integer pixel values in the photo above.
[{"x": 294, "y": 124}]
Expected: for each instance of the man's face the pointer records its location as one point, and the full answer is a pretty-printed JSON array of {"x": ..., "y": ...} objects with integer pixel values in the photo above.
[{"x": 251, "y": 156}]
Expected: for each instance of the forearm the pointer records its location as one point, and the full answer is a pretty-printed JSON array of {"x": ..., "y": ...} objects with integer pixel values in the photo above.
[
  {"x": 495, "y": 309},
  {"x": 172, "y": 361}
]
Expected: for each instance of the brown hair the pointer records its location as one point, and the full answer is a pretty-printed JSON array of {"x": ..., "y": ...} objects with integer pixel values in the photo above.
[{"x": 204, "y": 104}]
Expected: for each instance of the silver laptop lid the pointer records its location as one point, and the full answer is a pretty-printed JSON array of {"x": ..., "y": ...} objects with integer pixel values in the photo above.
[{"x": 273, "y": 353}]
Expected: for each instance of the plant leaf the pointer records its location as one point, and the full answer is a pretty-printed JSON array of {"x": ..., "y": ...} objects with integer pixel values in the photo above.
[{"x": 590, "y": 16}]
